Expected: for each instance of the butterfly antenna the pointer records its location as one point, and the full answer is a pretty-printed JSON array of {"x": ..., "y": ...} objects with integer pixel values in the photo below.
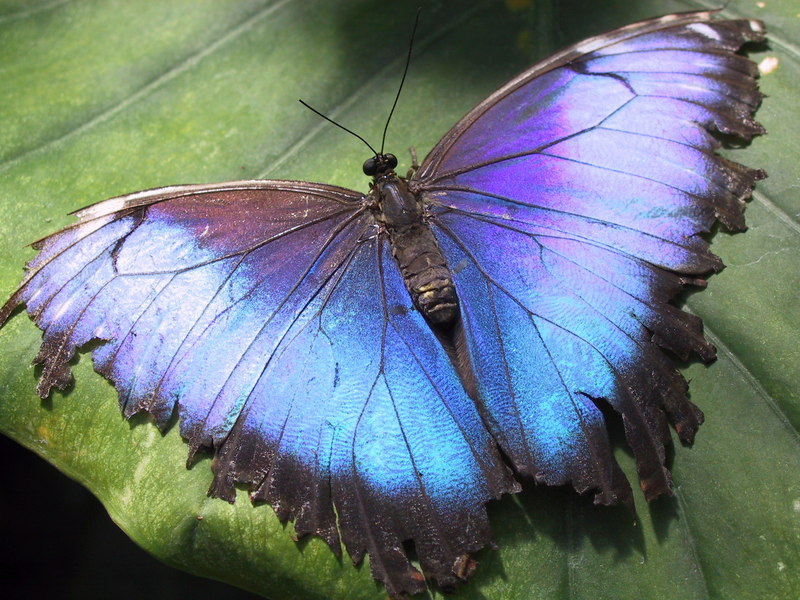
[
  {"x": 405, "y": 71},
  {"x": 312, "y": 109}
]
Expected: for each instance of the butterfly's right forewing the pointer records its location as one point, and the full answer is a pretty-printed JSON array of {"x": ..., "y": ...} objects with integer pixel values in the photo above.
[{"x": 569, "y": 205}]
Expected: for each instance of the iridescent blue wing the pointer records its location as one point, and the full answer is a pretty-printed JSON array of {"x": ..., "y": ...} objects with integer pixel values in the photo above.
[
  {"x": 570, "y": 205},
  {"x": 272, "y": 317}
]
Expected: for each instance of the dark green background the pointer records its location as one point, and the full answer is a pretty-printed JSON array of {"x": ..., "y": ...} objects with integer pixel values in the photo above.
[{"x": 103, "y": 98}]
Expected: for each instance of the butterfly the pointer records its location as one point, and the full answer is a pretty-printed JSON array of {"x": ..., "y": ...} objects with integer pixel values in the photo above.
[{"x": 379, "y": 366}]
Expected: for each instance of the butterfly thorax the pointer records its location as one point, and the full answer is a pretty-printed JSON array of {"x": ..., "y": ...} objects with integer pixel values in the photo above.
[{"x": 414, "y": 247}]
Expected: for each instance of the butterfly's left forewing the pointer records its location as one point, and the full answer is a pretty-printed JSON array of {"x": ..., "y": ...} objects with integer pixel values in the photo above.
[
  {"x": 174, "y": 261},
  {"x": 273, "y": 318}
]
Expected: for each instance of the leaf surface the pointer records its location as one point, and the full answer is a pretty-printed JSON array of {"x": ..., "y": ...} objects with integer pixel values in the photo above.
[{"x": 100, "y": 99}]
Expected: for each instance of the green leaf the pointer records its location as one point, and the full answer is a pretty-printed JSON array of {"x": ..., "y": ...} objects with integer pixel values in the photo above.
[{"x": 103, "y": 98}]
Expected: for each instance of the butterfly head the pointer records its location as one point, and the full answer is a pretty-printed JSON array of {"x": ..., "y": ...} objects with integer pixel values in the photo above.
[{"x": 380, "y": 164}]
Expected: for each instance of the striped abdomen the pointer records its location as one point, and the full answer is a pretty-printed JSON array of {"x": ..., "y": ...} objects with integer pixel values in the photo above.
[{"x": 422, "y": 264}]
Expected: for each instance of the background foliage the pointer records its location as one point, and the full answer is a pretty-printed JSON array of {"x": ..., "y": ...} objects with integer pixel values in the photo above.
[{"x": 103, "y": 98}]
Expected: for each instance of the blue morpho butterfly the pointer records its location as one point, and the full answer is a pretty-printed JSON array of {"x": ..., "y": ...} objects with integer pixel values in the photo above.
[{"x": 379, "y": 366}]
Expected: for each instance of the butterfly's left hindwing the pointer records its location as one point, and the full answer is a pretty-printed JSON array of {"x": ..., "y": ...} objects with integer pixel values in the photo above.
[
  {"x": 273, "y": 317},
  {"x": 361, "y": 403}
]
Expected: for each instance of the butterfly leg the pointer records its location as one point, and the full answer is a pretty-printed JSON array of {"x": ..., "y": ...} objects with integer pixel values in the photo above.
[{"x": 414, "y": 162}]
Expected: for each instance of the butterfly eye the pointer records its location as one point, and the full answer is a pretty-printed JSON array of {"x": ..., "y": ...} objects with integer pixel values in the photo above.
[
  {"x": 380, "y": 164},
  {"x": 370, "y": 167}
]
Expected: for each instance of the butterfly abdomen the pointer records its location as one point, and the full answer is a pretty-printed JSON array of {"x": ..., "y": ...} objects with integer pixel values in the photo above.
[{"x": 422, "y": 264}]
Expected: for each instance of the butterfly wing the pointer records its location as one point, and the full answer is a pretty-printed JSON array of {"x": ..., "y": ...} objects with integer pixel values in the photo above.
[
  {"x": 273, "y": 318},
  {"x": 569, "y": 205}
]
